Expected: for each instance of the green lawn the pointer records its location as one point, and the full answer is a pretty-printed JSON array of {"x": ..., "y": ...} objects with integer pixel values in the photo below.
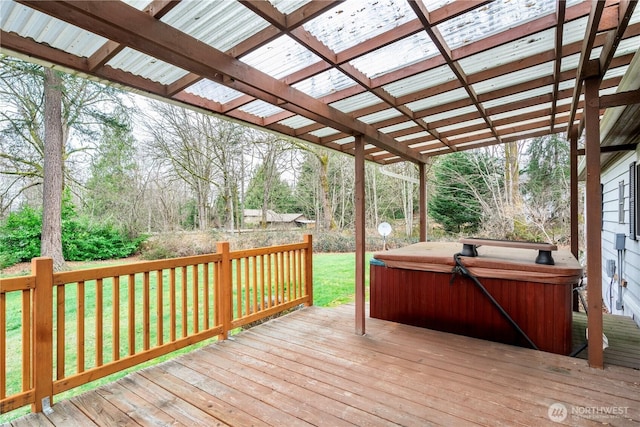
[{"x": 333, "y": 284}]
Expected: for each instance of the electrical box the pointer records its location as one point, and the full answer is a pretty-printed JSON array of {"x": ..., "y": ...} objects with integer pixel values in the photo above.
[
  {"x": 611, "y": 267},
  {"x": 619, "y": 243}
]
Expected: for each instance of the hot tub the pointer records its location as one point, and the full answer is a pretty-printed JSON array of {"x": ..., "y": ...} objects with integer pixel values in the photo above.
[{"x": 415, "y": 285}]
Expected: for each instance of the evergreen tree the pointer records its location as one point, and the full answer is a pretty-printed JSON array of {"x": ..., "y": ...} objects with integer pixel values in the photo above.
[
  {"x": 280, "y": 195},
  {"x": 454, "y": 202}
]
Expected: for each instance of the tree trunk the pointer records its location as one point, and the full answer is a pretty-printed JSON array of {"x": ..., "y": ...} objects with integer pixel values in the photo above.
[
  {"x": 51, "y": 239},
  {"x": 328, "y": 222}
]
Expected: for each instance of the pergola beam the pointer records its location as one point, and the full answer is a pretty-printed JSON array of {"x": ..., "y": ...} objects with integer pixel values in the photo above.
[{"x": 124, "y": 24}]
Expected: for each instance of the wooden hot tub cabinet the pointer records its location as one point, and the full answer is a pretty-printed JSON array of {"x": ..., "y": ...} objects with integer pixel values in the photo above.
[{"x": 413, "y": 285}]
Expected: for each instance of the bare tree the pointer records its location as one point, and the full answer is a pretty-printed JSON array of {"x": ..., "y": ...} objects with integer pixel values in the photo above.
[{"x": 203, "y": 151}]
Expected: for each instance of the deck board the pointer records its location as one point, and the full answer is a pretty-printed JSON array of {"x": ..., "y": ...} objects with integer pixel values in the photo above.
[
  {"x": 622, "y": 333},
  {"x": 310, "y": 368}
]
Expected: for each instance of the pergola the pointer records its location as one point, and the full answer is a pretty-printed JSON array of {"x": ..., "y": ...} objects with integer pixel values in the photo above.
[{"x": 383, "y": 80}]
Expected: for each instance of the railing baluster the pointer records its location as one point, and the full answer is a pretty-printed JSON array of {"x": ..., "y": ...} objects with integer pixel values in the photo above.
[
  {"x": 184, "y": 301},
  {"x": 26, "y": 340},
  {"x": 195, "y": 299},
  {"x": 131, "y": 285},
  {"x": 159, "y": 310},
  {"x": 269, "y": 282},
  {"x": 3, "y": 345},
  {"x": 247, "y": 289},
  {"x": 80, "y": 327},
  {"x": 60, "y": 332},
  {"x": 238, "y": 287},
  {"x": 262, "y": 281},
  {"x": 115, "y": 321},
  {"x": 172, "y": 303},
  {"x": 254, "y": 269},
  {"x": 99, "y": 323},
  {"x": 205, "y": 295},
  {"x": 146, "y": 339},
  {"x": 282, "y": 282}
]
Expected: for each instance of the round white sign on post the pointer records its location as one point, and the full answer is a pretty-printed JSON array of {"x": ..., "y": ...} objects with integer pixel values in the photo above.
[{"x": 384, "y": 229}]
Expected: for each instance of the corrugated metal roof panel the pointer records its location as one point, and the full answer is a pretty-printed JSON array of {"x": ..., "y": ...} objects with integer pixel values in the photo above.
[
  {"x": 325, "y": 83},
  {"x": 281, "y": 57},
  {"x": 146, "y": 66},
  {"x": 404, "y": 52},
  {"x": 26, "y": 22},
  {"x": 234, "y": 23},
  {"x": 491, "y": 19},
  {"x": 517, "y": 77},
  {"x": 211, "y": 90},
  {"x": 509, "y": 52},
  {"x": 524, "y": 122},
  {"x": 356, "y": 102},
  {"x": 440, "y": 99},
  {"x": 261, "y": 109},
  {"x": 353, "y": 22},
  {"x": 431, "y": 78},
  {"x": 346, "y": 140}
]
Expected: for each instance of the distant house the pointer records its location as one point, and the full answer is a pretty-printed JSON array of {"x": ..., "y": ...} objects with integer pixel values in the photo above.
[{"x": 253, "y": 217}]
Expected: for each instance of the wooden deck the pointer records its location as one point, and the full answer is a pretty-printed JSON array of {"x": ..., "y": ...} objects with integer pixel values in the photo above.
[
  {"x": 622, "y": 333},
  {"x": 309, "y": 368}
]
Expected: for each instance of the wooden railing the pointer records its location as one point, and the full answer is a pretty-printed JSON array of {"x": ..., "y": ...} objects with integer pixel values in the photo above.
[{"x": 124, "y": 315}]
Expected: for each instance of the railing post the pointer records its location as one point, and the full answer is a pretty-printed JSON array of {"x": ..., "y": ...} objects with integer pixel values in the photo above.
[
  {"x": 42, "y": 356},
  {"x": 308, "y": 268},
  {"x": 225, "y": 290}
]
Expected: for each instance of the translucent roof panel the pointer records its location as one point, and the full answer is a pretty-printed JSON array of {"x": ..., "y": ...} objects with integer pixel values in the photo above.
[
  {"x": 616, "y": 72},
  {"x": 422, "y": 134},
  {"x": 356, "y": 102},
  {"x": 146, "y": 66},
  {"x": 570, "y": 62},
  {"x": 211, "y": 90},
  {"x": 399, "y": 126},
  {"x": 195, "y": 17},
  {"x": 261, "y": 109},
  {"x": 440, "y": 99},
  {"x": 346, "y": 140},
  {"x": 281, "y": 57},
  {"x": 288, "y": 6},
  {"x": 138, "y": 4},
  {"x": 450, "y": 114},
  {"x": 461, "y": 125},
  {"x": 573, "y": 31},
  {"x": 431, "y": 78},
  {"x": 327, "y": 82},
  {"x": 355, "y": 21},
  {"x": 629, "y": 45},
  {"x": 525, "y": 110},
  {"x": 509, "y": 52},
  {"x": 296, "y": 122},
  {"x": 324, "y": 132},
  {"x": 545, "y": 90},
  {"x": 525, "y": 122},
  {"x": 379, "y": 116},
  {"x": 42, "y": 28},
  {"x": 396, "y": 55},
  {"x": 517, "y": 77},
  {"x": 491, "y": 19}
]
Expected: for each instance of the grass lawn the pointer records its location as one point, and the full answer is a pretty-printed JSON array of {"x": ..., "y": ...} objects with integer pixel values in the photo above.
[{"x": 333, "y": 284}]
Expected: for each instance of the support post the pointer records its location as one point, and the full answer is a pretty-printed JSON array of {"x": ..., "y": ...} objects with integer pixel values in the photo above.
[
  {"x": 224, "y": 292},
  {"x": 360, "y": 233},
  {"x": 42, "y": 355},
  {"x": 423, "y": 202},
  {"x": 308, "y": 269},
  {"x": 594, "y": 222},
  {"x": 573, "y": 228}
]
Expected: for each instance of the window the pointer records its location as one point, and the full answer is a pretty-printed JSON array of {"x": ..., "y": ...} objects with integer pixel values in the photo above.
[{"x": 621, "y": 202}]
